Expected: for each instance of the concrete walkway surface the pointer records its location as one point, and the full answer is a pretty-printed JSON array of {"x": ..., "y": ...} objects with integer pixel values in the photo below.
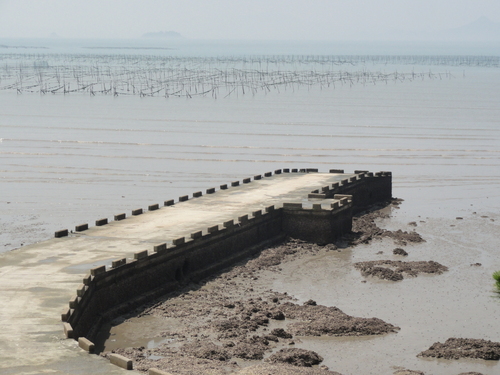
[{"x": 37, "y": 281}]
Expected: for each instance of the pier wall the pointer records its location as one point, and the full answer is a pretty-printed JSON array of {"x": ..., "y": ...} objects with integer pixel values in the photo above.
[
  {"x": 108, "y": 292},
  {"x": 366, "y": 188}
]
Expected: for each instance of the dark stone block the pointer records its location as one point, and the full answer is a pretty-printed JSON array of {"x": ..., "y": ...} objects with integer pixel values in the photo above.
[
  {"x": 120, "y": 217},
  {"x": 195, "y": 235},
  {"x": 179, "y": 241},
  {"x": 101, "y": 222},
  {"x": 160, "y": 248},
  {"x": 61, "y": 233},
  {"x": 81, "y": 227},
  {"x": 141, "y": 255},
  {"x": 118, "y": 263}
]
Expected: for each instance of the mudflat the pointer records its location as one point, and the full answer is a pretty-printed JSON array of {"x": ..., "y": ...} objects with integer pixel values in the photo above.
[{"x": 241, "y": 321}]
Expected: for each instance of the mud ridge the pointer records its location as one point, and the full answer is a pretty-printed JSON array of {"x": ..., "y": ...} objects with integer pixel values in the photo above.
[
  {"x": 396, "y": 270},
  {"x": 456, "y": 348},
  {"x": 296, "y": 357},
  {"x": 364, "y": 228}
]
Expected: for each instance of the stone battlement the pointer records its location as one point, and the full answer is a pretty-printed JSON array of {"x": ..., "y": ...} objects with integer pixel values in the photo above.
[{"x": 133, "y": 259}]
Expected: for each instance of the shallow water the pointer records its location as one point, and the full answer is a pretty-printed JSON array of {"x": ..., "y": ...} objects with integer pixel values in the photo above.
[
  {"x": 459, "y": 303},
  {"x": 73, "y": 159},
  {"x": 67, "y": 160}
]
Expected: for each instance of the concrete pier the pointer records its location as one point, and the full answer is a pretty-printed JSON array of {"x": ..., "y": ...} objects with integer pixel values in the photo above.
[{"x": 42, "y": 285}]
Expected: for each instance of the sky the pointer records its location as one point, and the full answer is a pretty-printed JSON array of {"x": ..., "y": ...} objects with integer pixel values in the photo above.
[{"x": 238, "y": 19}]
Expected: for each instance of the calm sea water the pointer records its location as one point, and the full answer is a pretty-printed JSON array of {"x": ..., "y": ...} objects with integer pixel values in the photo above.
[{"x": 72, "y": 159}]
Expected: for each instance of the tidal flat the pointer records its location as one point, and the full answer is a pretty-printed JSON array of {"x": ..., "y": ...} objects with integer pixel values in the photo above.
[{"x": 75, "y": 158}]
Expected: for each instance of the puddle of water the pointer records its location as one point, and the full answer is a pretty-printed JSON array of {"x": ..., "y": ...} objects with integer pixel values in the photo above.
[
  {"x": 157, "y": 341},
  {"x": 146, "y": 331}
]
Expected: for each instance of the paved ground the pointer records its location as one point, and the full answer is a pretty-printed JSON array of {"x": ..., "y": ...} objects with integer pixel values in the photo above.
[{"x": 37, "y": 281}]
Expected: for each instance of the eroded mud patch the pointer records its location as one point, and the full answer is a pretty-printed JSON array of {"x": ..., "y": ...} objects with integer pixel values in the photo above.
[
  {"x": 331, "y": 321},
  {"x": 456, "y": 348},
  {"x": 364, "y": 228},
  {"x": 396, "y": 270},
  {"x": 296, "y": 357}
]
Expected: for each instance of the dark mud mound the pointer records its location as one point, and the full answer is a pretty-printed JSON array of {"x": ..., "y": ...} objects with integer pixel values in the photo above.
[
  {"x": 318, "y": 320},
  {"x": 396, "y": 270},
  {"x": 399, "y": 251},
  {"x": 280, "y": 332},
  {"x": 206, "y": 350},
  {"x": 284, "y": 369},
  {"x": 456, "y": 348},
  {"x": 252, "y": 347},
  {"x": 289, "y": 250},
  {"x": 364, "y": 229},
  {"x": 296, "y": 357}
]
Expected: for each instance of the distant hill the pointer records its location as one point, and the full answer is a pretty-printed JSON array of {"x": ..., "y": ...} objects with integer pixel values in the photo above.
[
  {"x": 481, "y": 29},
  {"x": 163, "y": 34}
]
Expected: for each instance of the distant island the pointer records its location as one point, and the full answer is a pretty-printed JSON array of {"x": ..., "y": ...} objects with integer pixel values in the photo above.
[{"x": 163, "y": 34}]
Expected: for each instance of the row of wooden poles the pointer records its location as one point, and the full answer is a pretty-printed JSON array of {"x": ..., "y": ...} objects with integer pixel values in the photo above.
[
  {"x": 448, "y": 60},
  {"x": 146, "y": 75}
]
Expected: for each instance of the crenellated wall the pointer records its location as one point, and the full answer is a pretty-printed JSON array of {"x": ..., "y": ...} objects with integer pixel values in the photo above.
[
  {"x": 320, "y": 224},
  {"x": 366, "y": 188},
  {"x": 108, "y": 292}
]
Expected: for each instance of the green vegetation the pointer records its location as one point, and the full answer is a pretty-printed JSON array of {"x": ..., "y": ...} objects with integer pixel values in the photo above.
[{"x": 496, "y": 276}]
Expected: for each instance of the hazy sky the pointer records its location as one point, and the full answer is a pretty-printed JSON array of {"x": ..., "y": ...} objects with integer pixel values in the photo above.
[{"x": 237, "y": 19}]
